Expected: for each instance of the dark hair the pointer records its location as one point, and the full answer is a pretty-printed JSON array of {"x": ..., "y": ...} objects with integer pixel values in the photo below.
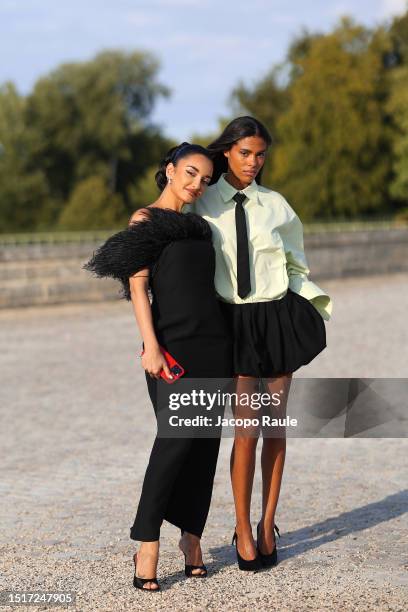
[
  {"x": 174, "y": 155},
  {"x": 238, "y": 128}
]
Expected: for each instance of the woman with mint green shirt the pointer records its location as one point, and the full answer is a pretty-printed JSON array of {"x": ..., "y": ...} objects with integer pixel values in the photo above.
[{"x": 274, "y": 311}]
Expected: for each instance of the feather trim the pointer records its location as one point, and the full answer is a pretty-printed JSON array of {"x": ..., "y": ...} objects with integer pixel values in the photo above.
[{"x": 141, "y": 244}]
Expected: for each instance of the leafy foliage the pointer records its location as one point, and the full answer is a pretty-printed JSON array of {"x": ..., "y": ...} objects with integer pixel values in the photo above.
[
  {"x": 82, "y": 120},
  {"x": 337, "y": 110},
  {"x": 93, "y": 206},
  {"x": 81, "y": 152}
]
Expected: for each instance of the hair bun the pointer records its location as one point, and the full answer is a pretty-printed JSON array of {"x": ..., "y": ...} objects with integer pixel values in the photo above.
[{"x": 160, "y": 176}]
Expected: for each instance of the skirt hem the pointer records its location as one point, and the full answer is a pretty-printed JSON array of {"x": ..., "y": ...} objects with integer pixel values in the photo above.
[{"x": 276, "y": 337}]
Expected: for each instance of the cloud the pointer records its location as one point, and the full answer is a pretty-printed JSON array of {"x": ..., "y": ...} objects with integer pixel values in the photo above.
[{"x": 390, "y": 8}]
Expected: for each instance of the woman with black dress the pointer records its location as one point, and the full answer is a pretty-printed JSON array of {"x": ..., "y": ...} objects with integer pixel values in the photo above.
[
  {"x": 274, "y": 311},
  {"x": 170, "y": 254}
]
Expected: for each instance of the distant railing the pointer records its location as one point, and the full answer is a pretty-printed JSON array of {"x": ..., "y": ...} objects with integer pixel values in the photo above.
[
  {"x": 353, "y": 226},
  {"x": 78, "y": 237}
]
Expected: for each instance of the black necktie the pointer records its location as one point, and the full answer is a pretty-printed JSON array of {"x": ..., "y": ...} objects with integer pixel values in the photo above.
[{"x": 243, "y": 275}]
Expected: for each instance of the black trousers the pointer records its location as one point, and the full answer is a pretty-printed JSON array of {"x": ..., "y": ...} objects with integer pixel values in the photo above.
[{"x": 178, "y": 483}]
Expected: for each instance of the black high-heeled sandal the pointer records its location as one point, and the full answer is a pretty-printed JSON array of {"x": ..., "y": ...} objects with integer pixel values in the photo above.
[
  {"x": 251, "y": 565},
  {"x": 139, "y": 583},
  {"x": 188, "y": 569},
  {"x": 271, "y": 559}
]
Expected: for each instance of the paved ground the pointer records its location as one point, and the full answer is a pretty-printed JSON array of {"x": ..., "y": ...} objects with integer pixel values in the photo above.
[{"x": 76, "y": 431}]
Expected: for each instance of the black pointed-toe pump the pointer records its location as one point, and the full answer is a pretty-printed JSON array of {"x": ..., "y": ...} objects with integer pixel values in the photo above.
[
  {"x": 251, "y": 565},
  {"x": 271, "y": 559}
]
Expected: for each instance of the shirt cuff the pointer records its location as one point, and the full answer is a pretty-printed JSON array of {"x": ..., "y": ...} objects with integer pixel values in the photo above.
[{"x": 309, "y": 290}]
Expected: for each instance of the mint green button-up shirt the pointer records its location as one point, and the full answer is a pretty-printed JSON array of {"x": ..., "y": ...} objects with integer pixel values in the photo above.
[{"x": 276, "y": 253}]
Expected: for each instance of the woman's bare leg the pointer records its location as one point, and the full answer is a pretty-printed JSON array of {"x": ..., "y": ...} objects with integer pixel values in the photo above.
[
  {"x": 147, "y": 559},
  {"x": 190, "y": 545},
  {"x": 273, "y": 461},
  {"x": 242, "y": 468}
]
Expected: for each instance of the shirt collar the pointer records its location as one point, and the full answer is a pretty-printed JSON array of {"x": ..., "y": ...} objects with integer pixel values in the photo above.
[{"x": 227, "y": 191}]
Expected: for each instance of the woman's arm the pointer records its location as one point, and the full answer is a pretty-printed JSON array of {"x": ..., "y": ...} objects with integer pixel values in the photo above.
[
  {"x": 297, "y": 267},
  {"x": 127, "y": 257},
  {"x": 153, "y": 360}
]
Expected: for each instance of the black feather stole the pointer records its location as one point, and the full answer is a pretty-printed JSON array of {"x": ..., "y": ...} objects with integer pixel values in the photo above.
[{"x": 140, "y": 245}]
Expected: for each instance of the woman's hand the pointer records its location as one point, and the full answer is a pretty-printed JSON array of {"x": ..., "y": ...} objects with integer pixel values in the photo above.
[{"x": 153, "y": 362}]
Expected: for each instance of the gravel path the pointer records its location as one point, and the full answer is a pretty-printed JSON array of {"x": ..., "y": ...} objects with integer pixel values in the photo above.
[{"x": 76, "y": 431}]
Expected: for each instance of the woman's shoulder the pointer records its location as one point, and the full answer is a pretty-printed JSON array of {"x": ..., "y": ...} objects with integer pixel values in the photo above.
[
  {"x": 168, "y": 224},
  {"x": 141, "y": 214},
  {"x": 267, "y": 192},
  {"x": 140, "y": 245},
  {"x": 276, "y": 199}
]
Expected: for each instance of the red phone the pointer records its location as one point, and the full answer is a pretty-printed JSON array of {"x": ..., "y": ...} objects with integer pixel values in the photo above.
[{"x": 175, "y": 368}]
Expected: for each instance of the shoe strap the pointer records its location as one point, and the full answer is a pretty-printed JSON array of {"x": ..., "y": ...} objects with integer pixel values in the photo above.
[{"x": 144, "y": 580}]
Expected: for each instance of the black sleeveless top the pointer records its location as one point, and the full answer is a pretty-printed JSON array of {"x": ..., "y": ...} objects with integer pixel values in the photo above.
[{"x": 177, "y": 249}]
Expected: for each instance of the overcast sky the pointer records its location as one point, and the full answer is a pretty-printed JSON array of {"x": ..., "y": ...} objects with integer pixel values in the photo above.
[{"x": 204, "y": 46}]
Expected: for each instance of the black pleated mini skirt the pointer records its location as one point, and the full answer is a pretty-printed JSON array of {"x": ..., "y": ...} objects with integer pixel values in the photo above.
[{"x": 275, "y": 337}]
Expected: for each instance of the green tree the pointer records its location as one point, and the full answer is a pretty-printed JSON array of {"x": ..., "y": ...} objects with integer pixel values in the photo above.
[
  {"x": 145, "y": 191},
  {"x": 22, "y": 187},
  {"x": 333, "y": 156},
  {"x": 398, "y": 111},
  {"x": 399, "y": 39},
  {"x": 92, "y": 118},
  {"x": 398, "y": 107},
  {"x": 92, "y": 205}
]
